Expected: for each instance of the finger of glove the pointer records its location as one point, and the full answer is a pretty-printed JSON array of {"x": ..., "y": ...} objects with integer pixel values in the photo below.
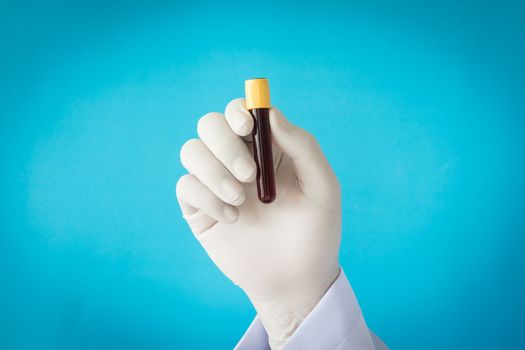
[
  {"x": 201, "y": 163},
  {"x": 193, "y": 197},
  {"x": 226, "y": 146},
  {"x": 242, "y": 124},
  {"x": 199, "y": 222},
  {"x": 238, "y": 117},
  {"x": 314, "y": 174}
]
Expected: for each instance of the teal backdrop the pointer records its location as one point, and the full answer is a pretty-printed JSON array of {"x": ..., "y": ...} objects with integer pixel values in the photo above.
[{"x": 419, "y": 106}]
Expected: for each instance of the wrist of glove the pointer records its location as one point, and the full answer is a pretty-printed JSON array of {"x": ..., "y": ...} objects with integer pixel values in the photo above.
[
  {"x": 282, "y": 314},
  {"x": 284, "y": 255}
]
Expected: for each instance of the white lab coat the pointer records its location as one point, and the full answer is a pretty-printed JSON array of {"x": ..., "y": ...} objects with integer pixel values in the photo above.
[{"x": 336, "y": 322}]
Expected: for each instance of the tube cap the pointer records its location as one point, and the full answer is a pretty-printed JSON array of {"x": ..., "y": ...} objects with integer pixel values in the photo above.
[{"x": 257, "y": 92}]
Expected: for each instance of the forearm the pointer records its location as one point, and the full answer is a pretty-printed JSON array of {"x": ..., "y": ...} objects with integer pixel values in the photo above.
[
  {"x": 335, "y": 322},
  {"x": 282, "y": 318}
]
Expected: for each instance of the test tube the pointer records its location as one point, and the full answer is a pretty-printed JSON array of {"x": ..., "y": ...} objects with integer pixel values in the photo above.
[{"x": 257, "y": 93}]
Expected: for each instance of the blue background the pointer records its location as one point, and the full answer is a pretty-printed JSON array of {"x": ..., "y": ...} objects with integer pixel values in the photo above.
[{"x": 419, "y": 107}]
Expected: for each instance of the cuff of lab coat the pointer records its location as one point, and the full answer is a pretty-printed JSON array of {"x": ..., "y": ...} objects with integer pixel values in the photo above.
[{"x": 336, "y": 322}]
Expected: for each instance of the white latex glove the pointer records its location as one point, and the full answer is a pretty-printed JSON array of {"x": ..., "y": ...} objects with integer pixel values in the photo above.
[{"x": 284, "y": 255}]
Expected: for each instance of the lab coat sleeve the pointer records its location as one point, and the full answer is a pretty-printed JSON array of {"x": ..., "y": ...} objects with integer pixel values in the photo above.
[{"x": 336, "y": 322}]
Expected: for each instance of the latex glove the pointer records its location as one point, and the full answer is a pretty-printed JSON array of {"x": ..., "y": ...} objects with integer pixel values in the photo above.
[{"x": 284, "y": 255}]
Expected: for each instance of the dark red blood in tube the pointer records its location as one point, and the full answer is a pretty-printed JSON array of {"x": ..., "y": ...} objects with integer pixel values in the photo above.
[{"x": 262, "y": 153}]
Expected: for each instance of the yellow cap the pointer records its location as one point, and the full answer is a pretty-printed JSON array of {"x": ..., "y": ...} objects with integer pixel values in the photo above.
[{"x": 257, "y": 92}]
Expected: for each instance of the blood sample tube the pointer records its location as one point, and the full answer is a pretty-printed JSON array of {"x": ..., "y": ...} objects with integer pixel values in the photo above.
[{"x": 257, "y": 92}]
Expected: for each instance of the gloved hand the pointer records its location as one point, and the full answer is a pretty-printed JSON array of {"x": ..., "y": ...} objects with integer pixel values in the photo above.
[{"x": 284, "y": 255}]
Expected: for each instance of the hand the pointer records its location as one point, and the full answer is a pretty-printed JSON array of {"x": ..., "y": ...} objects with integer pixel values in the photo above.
[{"x": 284, "y": 255}]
